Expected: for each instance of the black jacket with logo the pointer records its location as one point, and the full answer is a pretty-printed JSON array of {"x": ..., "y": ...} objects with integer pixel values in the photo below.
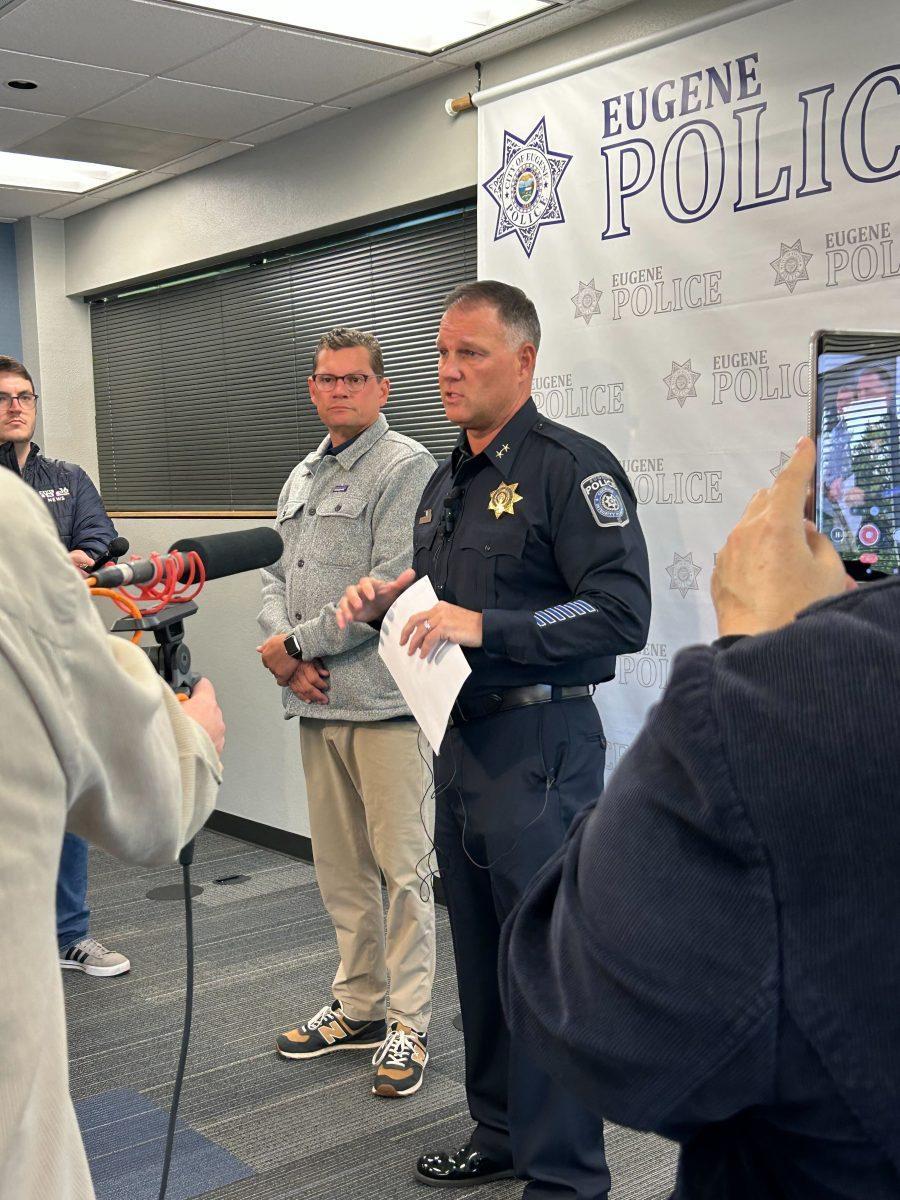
[{"x": 66, "y": 489}]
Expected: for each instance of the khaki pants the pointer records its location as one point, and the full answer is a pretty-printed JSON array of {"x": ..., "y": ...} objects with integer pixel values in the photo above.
[{"x": 365, "y": 782}]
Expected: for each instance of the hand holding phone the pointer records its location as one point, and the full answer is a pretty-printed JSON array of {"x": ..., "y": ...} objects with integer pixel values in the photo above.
[{"x": 855, "y": 422}]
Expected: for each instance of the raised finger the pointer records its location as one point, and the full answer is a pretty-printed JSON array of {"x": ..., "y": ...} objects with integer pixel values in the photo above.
[{"x": 790, "y": 488}]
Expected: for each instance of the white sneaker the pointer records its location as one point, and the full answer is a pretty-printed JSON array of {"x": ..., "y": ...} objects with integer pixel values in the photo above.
[{"x": 93, "y": 958}]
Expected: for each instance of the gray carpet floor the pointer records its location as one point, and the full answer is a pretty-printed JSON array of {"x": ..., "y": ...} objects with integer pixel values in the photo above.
[{"x": 265, "y": 957}]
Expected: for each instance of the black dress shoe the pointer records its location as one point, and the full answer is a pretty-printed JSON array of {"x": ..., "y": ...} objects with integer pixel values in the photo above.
[{"x": 465, "y": 1168}]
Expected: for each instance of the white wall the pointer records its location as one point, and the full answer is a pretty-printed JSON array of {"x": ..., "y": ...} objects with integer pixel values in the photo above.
[
  {"x": 388, "y": 157},
  {"x": 263, "y": 777},
  {"x": 56, "y": 345}
]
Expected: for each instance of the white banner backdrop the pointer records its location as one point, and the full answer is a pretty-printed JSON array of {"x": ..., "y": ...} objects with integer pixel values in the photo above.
[{"x": 684, "y": 219}]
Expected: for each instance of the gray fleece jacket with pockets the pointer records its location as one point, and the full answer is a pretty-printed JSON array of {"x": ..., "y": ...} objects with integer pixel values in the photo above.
[{"x": 343, "y": 516}]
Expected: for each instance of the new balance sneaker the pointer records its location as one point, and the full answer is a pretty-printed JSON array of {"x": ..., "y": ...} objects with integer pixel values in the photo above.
[
  {"x": 330, "y": 1029},
  {"x": 93, "y": 958},
  {"x": 400, "y": 1062}
]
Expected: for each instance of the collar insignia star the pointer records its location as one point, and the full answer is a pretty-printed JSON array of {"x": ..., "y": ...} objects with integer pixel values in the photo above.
[
  {"x": 503, "y": 449},
  {"x": 503, "y": 499}
]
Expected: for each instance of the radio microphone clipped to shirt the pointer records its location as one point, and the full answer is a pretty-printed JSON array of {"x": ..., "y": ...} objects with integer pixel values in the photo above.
[{"x": 450, "y": 511}]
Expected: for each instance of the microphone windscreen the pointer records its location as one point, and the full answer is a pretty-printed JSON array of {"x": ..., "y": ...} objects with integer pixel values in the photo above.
[
  {"x": 117, "y": 547},
  {"x": 232, "y": 553}
]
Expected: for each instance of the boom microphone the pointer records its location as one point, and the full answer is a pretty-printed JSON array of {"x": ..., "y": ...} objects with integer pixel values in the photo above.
[
  {"x": 221, "y": 554},
  {"x": 232, "y": 553}
]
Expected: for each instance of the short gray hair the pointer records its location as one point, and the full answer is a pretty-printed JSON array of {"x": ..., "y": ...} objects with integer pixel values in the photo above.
[
  {"x": 341, "y": 338},
  {"x": 515, "y": 311}
]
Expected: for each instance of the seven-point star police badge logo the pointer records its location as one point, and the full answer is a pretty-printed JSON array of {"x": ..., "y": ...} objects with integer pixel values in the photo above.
[
  {"x": 682, "y": 382},
  {"x": 587, "y": 301},
  {"x": 790, "y": 265},
  {"x": 525, "y": 187},
  {"x": 683, "y": 572},
  {"x": 504, "y": 500}
]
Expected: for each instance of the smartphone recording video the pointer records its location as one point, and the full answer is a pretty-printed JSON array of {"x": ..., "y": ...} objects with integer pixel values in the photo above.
[{"x": 854, "y": 419}]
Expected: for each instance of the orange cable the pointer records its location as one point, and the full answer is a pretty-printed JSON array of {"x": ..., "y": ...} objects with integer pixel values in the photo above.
[{"x": 121, "y": 601}]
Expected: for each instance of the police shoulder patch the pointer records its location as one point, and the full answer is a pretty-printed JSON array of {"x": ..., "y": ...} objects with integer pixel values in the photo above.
[{"x": 604, "y": 498}]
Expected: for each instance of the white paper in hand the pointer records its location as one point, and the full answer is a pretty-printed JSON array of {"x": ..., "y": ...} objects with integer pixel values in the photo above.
[{"x": 428, "y": 685}]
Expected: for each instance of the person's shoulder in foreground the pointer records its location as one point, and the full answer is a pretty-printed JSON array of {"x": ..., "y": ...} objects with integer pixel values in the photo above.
[{"x": 713, "y": 955}]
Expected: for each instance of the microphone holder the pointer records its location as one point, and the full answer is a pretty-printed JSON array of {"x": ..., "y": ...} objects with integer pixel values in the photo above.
[
  {"x": 170, "y": 656},
  {"x": 172, "y": 660}
]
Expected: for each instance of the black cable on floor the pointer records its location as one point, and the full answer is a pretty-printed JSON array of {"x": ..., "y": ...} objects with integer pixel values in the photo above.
[{"x": 188, "y": 1013}]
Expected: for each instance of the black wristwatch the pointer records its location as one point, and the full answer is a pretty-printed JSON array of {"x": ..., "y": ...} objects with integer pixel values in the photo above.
[{"x": 292, "y": 646}]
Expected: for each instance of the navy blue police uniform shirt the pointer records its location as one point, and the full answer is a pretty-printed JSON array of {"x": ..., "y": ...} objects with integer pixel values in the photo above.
[{"x": 540, "y": 533}]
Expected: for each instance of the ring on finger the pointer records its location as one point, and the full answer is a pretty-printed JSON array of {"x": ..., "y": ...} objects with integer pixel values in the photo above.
[{"x": 426, "y": 624}]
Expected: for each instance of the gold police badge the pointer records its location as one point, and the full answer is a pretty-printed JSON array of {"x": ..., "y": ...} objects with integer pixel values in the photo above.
[{"x": 503, "y": 499}]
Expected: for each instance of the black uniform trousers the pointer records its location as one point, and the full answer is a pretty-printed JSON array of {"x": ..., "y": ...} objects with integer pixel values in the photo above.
[{"x": 507, "y": 788}]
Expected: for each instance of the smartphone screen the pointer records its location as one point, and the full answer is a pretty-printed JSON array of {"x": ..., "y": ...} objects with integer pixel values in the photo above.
[{"x": 855, "y": 421}]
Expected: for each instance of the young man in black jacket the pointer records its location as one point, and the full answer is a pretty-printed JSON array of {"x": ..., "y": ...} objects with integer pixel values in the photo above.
[{"x": 86, "y": 532}]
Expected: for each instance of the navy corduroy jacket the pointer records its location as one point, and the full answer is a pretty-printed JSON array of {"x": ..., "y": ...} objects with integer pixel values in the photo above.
[{"x": 715, "y": 952}]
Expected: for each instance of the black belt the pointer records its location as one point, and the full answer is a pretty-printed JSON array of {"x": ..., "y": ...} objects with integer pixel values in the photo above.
[{"x": 485, "y": 705}]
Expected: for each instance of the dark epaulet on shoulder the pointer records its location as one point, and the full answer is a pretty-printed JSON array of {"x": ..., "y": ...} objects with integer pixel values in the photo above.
[{"x": 585, "y": 450}]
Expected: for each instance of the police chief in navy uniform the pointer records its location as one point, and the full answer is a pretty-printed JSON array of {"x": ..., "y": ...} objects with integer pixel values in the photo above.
[{"x": 530, "y": 536}]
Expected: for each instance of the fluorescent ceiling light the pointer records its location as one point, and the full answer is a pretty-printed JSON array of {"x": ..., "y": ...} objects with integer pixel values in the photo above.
[
  {"x": 409, "y": 24},
  {"x": 55, "y": 174}
]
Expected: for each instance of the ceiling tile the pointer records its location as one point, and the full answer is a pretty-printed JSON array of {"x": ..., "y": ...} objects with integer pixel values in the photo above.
[
  {"x": 602, "y": 6},
  {"x": 398, "y": 83},
  {"x": 112, "y": 191},
  {"x": 309, "y": 116},
  {"x": 23, "y": 202},
  {"x": 523, "y": 33},
  {"x": 297, "y": 66},
  {"x": 119, "y": 145},
  {"x": 17, "y": 126},
  {"x": 202, "y": 158},
  {"x": 63, "y": 87},
  {"x": 192, "y": 108},
  {"x": 126, "y": 34}
]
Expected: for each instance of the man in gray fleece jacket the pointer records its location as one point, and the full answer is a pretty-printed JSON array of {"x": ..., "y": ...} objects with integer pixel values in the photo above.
[{"x": 348, "y": 510}]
